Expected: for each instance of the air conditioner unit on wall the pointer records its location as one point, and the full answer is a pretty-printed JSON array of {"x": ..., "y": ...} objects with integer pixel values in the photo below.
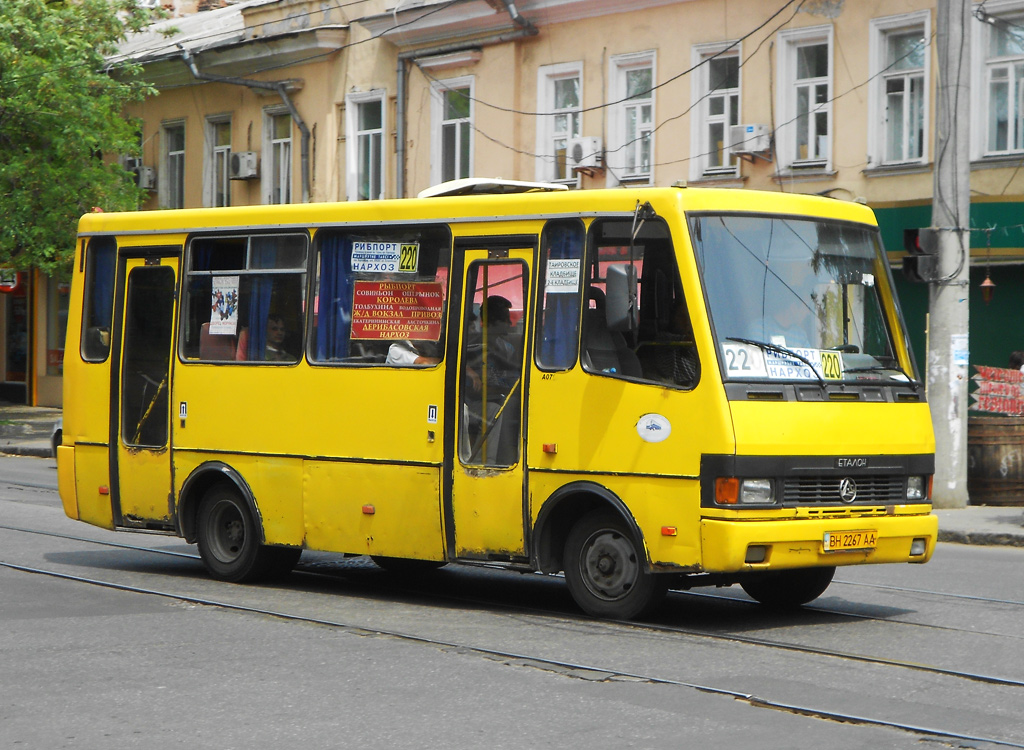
[
  {"x": 245, "y": 165},
  {"x": 145, "y": 177},
  {"x": 584, "y": 152},
  {"x": 749, "y": 139}
]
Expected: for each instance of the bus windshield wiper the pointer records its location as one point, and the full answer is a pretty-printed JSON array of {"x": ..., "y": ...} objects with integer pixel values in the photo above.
[
  {"x": 876, "y": 368},
  {"x": 780, "y": 350}
]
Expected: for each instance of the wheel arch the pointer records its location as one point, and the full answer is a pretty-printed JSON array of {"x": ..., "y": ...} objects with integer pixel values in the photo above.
[
  {"x": 198, "y": 483},
  {"x": 563, "y": 508}
]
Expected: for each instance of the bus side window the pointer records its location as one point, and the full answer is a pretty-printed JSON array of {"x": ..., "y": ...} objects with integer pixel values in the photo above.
[
  {"x": 661, "y": 350},
  {"x": 101, "y": 257},
  {"x": 558, "y": 318},
  {"x": 380, "y": 296},
  {"x": 246, "y": 299}
]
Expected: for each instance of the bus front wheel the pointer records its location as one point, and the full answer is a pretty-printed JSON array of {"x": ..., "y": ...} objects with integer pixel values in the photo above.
[
  {"x": 606, "y": 569},
  {"x": 229, "y": 542},
  {"x": 788, "y": 588}
]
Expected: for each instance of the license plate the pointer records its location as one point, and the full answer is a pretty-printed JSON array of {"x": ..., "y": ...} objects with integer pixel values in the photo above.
[{"x": 838, "y": 541}]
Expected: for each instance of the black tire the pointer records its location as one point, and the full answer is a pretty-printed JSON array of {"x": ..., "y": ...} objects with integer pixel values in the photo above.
[
  {"x": 56, "y": 441},
  {"x": 785, "y": 589},
  {"x": 404, "y": 566},
  {"x": 229, "y": 539},
  {"x": 606, "y": 569}
]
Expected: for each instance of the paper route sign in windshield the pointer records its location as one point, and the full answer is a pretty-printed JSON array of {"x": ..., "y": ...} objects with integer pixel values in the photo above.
[
  {"x": 749, "y": 361},
  {"x": 781, "y": 367}
]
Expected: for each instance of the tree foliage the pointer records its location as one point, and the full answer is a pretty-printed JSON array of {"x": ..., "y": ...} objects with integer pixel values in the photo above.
[{"x": 61, "y": 113}]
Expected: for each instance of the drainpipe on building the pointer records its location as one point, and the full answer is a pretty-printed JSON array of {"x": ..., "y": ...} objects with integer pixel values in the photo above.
[
  {"x": 281, "y": 87},
  {"x": 526, "y": 29}
]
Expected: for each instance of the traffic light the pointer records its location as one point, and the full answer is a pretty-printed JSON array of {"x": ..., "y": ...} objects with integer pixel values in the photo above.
[{"x": 922, "y": 261}]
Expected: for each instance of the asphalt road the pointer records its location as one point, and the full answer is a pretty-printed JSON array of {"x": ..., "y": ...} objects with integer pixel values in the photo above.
[{"x": 120, "y": 640}]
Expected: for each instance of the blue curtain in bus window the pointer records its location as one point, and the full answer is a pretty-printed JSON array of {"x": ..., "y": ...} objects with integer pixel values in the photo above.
[
  {"x": 260, "y": 293},
  {"x": 561, "y": 316},
  {"x": 335, "y": 298},
  {"x": 103, "y": 259}
]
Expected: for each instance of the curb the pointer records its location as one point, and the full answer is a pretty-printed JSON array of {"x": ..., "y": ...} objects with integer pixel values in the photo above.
[
  {"x": 982, "y": 538},
  {"x": 26, "y": 450}
]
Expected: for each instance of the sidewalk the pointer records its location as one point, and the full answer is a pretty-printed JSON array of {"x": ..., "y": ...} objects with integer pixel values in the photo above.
[{"x": 25, "y": 431}]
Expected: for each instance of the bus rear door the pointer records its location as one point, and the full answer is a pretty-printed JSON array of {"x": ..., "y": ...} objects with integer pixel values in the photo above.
[
  {"x": 485, "y": 502},
  {"x": 140, "y": 389}
]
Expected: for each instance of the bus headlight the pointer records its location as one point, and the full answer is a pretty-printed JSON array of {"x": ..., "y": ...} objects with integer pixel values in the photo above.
[
  {"x": 756, "y": 492},
  {"x": 915, "y": 488},
  {"x": 734, "y": 491}
]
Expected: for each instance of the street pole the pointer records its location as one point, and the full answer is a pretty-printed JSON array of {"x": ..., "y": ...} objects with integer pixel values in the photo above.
[{"x": 948, "y": 295}]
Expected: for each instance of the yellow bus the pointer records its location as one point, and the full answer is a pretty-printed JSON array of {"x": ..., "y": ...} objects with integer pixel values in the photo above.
[{"x": 643, "y": 388}]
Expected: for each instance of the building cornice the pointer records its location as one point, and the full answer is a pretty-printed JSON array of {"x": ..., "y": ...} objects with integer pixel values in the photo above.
[
  {"x": 246, "y": 57},
  {"x": 409, "y": 24}
]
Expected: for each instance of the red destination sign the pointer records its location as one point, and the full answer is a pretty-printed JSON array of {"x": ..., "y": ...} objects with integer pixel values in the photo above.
[{"x": 390, "y": 310}]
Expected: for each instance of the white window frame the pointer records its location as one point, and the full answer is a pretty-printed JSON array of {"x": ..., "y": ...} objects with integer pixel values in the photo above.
[
  {"x": 437, "y": 124},
  {"x": 621, "y": 149},
  {"x": 546, "y": 161},
  {"x": 216, "y": 158},
  {"x": 701, "y": 118},
  {"x": 981, "y": 71},
  {"x": 882, "y": 29},
  {"x": 274, "y": 167},
  {"x": 354, "y": 138},
  {"x": 790, "y": 40},
  {"x": 172, "y": 166}
]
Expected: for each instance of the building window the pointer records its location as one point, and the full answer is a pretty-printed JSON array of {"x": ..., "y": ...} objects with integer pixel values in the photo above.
[
  {"x": 805, "y": 136},
  {"x": 631, "y": 118},
  {"x": 453, "y": 129},
  {"x": 57, "y": 295},
  {"x": 559, "y": 97},
  {"x": 218, "y": 139},
  {"x": 716, "y": 96},
  {"x": 899, "y": 82},
  {"x": 277, "y": 188},
  {"x": 1004, "y": 84},
  {"x": 365, "y": 139},
  {"x": 174, "y": 166}
]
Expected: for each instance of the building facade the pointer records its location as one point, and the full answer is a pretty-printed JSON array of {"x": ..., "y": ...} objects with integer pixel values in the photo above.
[{"x": 282, "y": 101}]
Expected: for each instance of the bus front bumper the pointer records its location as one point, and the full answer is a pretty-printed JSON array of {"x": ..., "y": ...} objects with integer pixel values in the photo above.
[{"x": 730, "y": 546}]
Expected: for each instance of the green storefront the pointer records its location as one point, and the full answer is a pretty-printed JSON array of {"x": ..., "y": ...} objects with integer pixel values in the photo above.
[{"x": 996, "y": 328}]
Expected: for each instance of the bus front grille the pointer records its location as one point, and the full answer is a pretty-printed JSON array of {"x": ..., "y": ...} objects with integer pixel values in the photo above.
[{"x": 869, "y": 489}]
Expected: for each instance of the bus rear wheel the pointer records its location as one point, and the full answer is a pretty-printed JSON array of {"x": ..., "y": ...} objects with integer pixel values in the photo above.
[
  {"x": 606, "y": 569},
  {"x": 785, "y": 589},
  {"x": 229, "y": 540}
]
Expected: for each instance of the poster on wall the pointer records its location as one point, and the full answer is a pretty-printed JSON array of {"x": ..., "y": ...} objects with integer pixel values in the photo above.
[{"x": 224, "y": 306}]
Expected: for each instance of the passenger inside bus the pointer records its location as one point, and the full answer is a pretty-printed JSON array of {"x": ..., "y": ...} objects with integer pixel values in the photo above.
[
  {"x": 492, "y": 386},
  {"x": 276, "y": 333},
  {"x": 421, "y": 353}
]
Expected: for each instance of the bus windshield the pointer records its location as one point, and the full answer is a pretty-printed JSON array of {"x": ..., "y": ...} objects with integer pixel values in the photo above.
[{"x": 798, "y": 299}]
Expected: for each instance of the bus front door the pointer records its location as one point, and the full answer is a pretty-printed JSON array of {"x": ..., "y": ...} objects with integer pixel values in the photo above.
[
  {"x": 486, "y": 518},
  {"x": 141, "y": 494}
]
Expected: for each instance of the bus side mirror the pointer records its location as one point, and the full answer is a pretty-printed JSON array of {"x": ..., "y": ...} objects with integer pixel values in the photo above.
[{"x": 621, "y": 311}]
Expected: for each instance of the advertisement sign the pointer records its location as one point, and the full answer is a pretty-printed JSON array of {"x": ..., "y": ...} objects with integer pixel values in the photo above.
[{"x": 389, "y": 310}]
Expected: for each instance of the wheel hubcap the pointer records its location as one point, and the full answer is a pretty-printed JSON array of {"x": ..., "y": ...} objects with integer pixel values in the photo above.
[
  {"x": 609, "y": 565},
  {"x": 228, "y": 532}
]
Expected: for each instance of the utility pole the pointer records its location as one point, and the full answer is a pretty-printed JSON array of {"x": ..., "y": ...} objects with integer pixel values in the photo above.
[{"x": 948, "y": 296}]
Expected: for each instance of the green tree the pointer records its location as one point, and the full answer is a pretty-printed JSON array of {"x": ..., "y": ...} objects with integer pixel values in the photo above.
[{"x": 61, "y": 111}]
